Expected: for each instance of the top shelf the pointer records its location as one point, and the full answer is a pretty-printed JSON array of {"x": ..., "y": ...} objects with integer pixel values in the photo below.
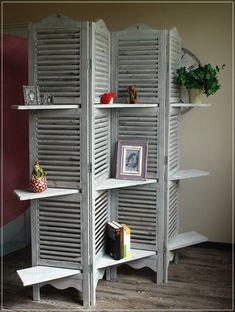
[
  {"x": 190, "y": 105},
  {"x": 42, "y": 107},
  {"x": 123, "y": 105}
]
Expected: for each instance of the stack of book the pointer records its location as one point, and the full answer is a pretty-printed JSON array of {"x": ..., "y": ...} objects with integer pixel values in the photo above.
[{"x": 118, "y": 240}]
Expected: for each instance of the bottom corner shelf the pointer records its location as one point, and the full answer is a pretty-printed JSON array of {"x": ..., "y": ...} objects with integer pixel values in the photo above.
[
  {"x": 107, "y": 261},
  {"x": 186, "y": 239},
  {"x": 41, "y": 274}
]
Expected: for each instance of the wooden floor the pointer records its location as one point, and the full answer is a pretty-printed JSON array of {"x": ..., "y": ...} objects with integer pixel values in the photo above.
[{"x": 201, "y": 281}]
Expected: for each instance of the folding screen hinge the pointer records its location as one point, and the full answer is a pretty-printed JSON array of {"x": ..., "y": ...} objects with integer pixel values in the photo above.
[
  {"x": 166, "y": 160},
  {"x": 89, "y": 64},
  {"x": 167, "y": 67},
  {"x": 89, "y": 167}
]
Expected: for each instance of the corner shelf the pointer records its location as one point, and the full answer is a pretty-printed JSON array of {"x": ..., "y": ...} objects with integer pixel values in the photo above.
[
  {"x": 107, "y": 261},
  {"x": 42, "y": 107},
  {"x": 188, "y": 105},
  {"x": 187, "y": 174},
  {"x": 119, "y": 183},
  {"x": 49, "y": 192},
  {"x": 40, "y": 274},
  {"x": 123, "y": 105},
  {"x": 186, "y": 239}
]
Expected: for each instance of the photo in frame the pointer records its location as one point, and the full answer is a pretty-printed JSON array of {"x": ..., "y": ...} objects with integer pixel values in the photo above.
[
  {"x": 132, "y": 159},
  {"x": 31, "y": 95}
]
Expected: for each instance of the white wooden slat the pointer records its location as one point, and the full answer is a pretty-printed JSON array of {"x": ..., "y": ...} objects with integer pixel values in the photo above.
[
  {"x": 101, "y": 144},
  {"x": 40, "y": 274},
  {"x": 101, "y": 218},
  {"x": 59, "y": 223},
  {"x": 67, "y": 56},
  {"x": 141, "y": 125},
  {"x": 101, "y": 61},
  {"x": 173, "y": 213},
  {"x": 59, "y": 137},
  {"x": 174, "y": 60},
  {"x": 138, "y": 63},
  {"x": 139, "y": 213}
]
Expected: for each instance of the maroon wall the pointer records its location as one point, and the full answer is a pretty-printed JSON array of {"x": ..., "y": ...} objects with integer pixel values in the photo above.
[{"x": 15, "y": 125}]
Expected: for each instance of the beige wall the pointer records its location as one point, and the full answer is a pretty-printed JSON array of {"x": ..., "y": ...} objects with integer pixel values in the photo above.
[{"x": 206, "y": 29}]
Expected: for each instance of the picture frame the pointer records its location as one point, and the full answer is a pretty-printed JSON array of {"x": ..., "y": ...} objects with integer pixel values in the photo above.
[
  {"x": 132, "y": 159},
  {"x": 31, "y": 95}
]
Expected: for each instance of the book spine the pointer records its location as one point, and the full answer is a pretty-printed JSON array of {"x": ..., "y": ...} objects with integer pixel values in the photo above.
[{"x": 113, "y": 242}]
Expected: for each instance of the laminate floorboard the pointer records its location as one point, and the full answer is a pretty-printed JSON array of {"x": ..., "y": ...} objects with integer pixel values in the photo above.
[{"x": 201, "y": 281}]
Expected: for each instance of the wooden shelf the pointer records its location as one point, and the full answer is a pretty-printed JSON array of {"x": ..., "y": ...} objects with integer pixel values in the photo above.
[
  {"x": 185, "y": 105},
  {"x": 40, "y": 274},
  {"x": 136, "y": 254},
  {"x": 187, "y": 174},
  {"x": 119, "y": 183},
  {"x": 38, "y": 107},
  {"x": 186, "y": 239},
  {"x": 49, "y": 192},
  {"x": 123, "y": 105}
]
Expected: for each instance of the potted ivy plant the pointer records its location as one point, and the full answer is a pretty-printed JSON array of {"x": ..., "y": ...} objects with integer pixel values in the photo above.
[{"x": 201, "y": 80}]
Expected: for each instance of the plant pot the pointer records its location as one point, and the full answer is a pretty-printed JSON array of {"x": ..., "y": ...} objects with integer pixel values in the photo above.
[
  {"x": 39, "y": 184},
  {"x": 195, "y": 96}
]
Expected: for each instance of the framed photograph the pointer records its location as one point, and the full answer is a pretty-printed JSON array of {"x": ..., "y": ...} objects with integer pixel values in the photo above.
[
  {"x": 31, "y": 95},
  {"x": 132, "y": 159}
]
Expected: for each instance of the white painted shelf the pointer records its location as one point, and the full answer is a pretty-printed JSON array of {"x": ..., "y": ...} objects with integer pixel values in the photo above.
[
  {"x": 190, "y": 105},
  {"x": 186, "y": 239},
  {"x": 40, "y": 274},
  {"x": 38, "y": 107},
  {"x": 136, "y": 254},
  {"x": 49, "y": 192},
  {"x": 123, "y": 105},
  {"x": 187, "y": 174},
  {"x": 119, "y": 183}
]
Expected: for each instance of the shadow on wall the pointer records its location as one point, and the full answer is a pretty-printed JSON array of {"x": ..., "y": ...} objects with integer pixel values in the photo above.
[{"x": 15, "y": 141}]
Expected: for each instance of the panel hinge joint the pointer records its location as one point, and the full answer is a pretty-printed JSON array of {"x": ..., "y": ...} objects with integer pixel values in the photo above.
[{"x": 89, "y": 167}]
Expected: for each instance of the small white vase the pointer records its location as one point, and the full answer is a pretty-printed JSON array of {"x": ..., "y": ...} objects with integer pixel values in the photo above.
[{"x": 195, "y": 96}]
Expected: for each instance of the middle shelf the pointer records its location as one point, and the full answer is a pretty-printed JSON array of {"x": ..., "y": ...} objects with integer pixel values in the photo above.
[
  {"x": 28, "y": 194},
  {"x": 107, "y": 261},
  {"x": 118, "y": 183},
  {"x": 187, "y": 174}
]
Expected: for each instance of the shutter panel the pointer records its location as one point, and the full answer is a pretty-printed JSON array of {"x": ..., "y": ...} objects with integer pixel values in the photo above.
[
  {"x": 58, "y": 148},
  {"x": 141, "y": 124},
  {"x": 59, "y": 231},
  {"x": 174, "y": 143},
  {"x": 137, "y": 207},
  {"x": 101, "y": 218},
  {"x": 102, "y": 144},
  {"x": 57, "y": 59},
  {"x": 101, "y": 60},
  {"x": 137, "y": 51},
  {"x": 173, "y": 136},
  {"x": 173, "y": 224},
  {"x": 174, "y": 61}
]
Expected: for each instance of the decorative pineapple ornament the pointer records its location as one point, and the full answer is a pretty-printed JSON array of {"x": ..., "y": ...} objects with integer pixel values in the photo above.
[{"x": 39, "y": 180}]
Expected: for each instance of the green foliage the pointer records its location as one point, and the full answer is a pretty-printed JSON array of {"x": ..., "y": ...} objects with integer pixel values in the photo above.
[
  {"x": 203, "y": 77},
  {"x": 38, "y": 171}
]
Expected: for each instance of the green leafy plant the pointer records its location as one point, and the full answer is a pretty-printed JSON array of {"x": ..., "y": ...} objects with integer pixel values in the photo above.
[{"x": 204, "y": 77}]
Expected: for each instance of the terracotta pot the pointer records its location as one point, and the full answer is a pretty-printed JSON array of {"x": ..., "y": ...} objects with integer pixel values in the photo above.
[{"x": 195, "y": 96}]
